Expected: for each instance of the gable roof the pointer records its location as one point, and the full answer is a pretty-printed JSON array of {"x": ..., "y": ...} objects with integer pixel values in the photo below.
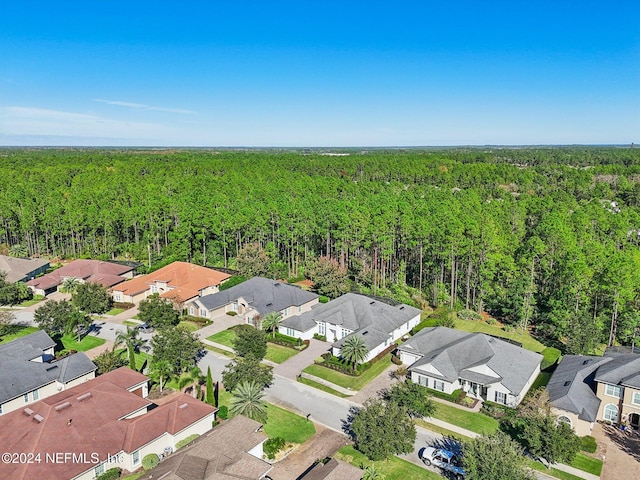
[
  {"x": 19, "y": 268},
  {"x": 622, "y": 369},
  {"x": 89, "y": 419},
  {"x": 19, "y": 374},
  {"x": 333, "y": 470},
  {"x": 106, "y": 274},
  {"x": 454, "y": 353},
  {"x": 263, "y": 294},
  {"x": 221, "y": 455},
  {"x": 185, "y": 280},
  {"x": 571, "y": 385},
  {"x": 358, "y": 313}
]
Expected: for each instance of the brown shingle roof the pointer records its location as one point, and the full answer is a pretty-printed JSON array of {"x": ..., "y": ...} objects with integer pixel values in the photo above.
[
  {"x": 184, "y": 279},
  {"x": 87, "y": 420},
  {"x": 18, "y": 268},
  {"x": 85, "y": 270}
]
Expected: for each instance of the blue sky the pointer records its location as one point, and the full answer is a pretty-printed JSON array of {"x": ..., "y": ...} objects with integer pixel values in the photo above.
[{"x": 308, "y": 73}]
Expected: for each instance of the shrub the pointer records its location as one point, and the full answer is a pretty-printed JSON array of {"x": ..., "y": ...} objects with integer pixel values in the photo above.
[
  {"x": 273, "y": 446},
  {"x": 231, "y": 313},
  {"x": 323, "y": 299},
  {"x": 223, "y": 412},
  {"x": 150, "y": 461},
  {"x": 396, "y": 360},
  {"x": 186, "y": 441},
  {"x": 111, "y": 474},
  {"x": 497, "y": 411},
  {"x": 126, "y": 306},
  {"x": 192, "y": 319},
  {"x": 588, "y": 444},
  {"x": 491, "y": 321},
  {"x": 317, "y": 336},
  {"x": 215, "y": 423},
  {"x": 467, "y": 314}
]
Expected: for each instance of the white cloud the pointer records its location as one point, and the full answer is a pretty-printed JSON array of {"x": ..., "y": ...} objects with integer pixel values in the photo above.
[{"x": 140, "y": 106}]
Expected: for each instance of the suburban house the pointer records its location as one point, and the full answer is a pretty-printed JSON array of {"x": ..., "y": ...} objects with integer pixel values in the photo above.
[
  {"x": 179, "y": 282},
  {"x": 254, "y": 299},
  {"x": 378, "y": 323},
  {"x": 572, "y": 392},
  {"x": 485, "y": 367},
  {"x": 100, "y": 424},
  {"x": 232, "y": 451},
  {"x": 22, "y": 269},
  {"x": 618, "y": 388},
  {"x": 29, "y": 371},
  {"x": 106, "y": 274},
  {"x": 332, "y": 469}
]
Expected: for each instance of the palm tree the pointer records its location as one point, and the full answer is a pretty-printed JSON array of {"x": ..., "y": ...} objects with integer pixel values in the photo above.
[
  {"x": 130, "y": 339},
  {"x": 69, "y": 285},
  {"x": 193, "y": 377},
  {"x": 163, "y": 370},
  {"x": 271, "y": 322},
  {"x": 76, "y": 321},
  {"x": 354, "y": 350},
  {"x": 371, "y": 473},
  {"x": 247, "y": 401}
]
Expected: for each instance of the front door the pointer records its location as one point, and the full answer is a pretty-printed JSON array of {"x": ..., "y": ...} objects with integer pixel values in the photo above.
[{"x": 634, "y": 420}]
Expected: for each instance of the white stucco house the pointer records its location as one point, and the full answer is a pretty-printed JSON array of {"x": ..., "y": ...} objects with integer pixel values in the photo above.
[{"x": 485, "y": 367}]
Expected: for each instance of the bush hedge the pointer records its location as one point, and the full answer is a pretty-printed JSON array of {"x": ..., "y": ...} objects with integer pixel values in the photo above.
[
  {"x": 111, "y": 474},
  {"x": 323, "y": 299},
  {"x": 317, "y": 336},
  {"x": 223, "y": 412},
  {"x": 187, "y": 440},
  {"x": 588, "y": 444},
  {"x": 150, "y": 461},
  {"x": 231, "y": 313}
]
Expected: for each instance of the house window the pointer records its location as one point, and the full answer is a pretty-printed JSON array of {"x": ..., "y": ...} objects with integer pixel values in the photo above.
[
  {"x": 299, "y": 308},
  {"x": 154, "y": 289},
  {"x": 0, "y": 409},
  {"x": 501, "y": 397},
  {"x": 117, "y": 297},
  {"x": 344, "y": 332},
  {"x": 322, "y": 328},
  {"x": 26, "y": 397},
  {"x": 99, "y": 470},
  {"x": 612, "y": 390},
  {"x": 564, "y": 419},
  {"x": 438, "y": 385},
  {"x": 135, "y": 457},
  {"x": 291, "y": 332},
  {"x": 35, "y": 395},
  {"x": 610, "y": 413},
  {"x": 235, "y": 306},
  {"x": 203, "y": 312},
  {"x": 635, "y": 399},
  {"x": 422, "y": 380},
  {"x": 286, "y": 311},
  {"x": 192, "y": 311}
]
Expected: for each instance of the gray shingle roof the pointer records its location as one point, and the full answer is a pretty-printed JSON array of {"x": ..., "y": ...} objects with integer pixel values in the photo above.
[
  {"x": 453, "y": 352},
  {"x": 571, "y": 385},
  {"x": 20, "y": 375},
  {"x": 623, "y": 369},
  {"x": 263, "y": 295},
  {"x": 372, "y": 320}
]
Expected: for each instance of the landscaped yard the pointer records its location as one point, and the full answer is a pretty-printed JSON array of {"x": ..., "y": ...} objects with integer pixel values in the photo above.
[
  {"x": 190, "y": 326},
  {"x": 140, "y": 357},
  {"x": 476, "y": 422},
  {"x": 115, "y": 311},
  {"x": 283, "y": 423},
  {"x": 70, "y": 342},
  {"x": 224, "y": 337},
  {"x": 279, "y": 353},
  {"x": 587, "y": 464},
  {"x": 322, "y": 387},
  {"x": 393, "y": 469},
  {"x": 17, "y": 331},
  {"x": 347, "y": 381},
  {"x": 33, "y": 301}
]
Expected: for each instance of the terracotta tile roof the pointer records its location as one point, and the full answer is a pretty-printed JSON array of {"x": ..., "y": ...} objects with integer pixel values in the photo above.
[
  {"x": 184, "y": 280},
  {"x": 87, "y": 420},
  {"x": 85, "y": 270}
]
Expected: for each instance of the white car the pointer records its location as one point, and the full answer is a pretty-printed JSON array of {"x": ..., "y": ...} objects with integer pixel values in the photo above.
[{"x": 443, "y": 459}]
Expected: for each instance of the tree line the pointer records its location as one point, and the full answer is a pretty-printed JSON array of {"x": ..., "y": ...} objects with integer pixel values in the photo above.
[{"x": 546, "y": 238}]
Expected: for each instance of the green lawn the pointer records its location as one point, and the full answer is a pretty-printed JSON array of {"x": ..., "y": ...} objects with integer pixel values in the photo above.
[
  {"x": 129, "y": 323},
  {"x": 393, "y": 469},
  {"x": 541, "y": 381},
  {"x": 220, "y": 351},
  {"x": 115, "y": 311},
  {"x": 322, "y": 387},
  {"x": 526, "y": 340},
  {"x": 16, "y": 331},
  {"x": 189, "y": 326},
  {"x": 347, "y": 381},
  {"x": 70, "y": 342},
  {"x": 476, "y": 422},
  {"x": 224, "y": 337},
  {"x": 140, "y": 357},
  {"x": 279, "y": 353},
  {"x": 587, "y": 464},
  {"x": 438, "y": 429},
  {"x": 33, "y": 301},
  {"x": 554, "y": 472},
  {"x": 290, "y": 426}
]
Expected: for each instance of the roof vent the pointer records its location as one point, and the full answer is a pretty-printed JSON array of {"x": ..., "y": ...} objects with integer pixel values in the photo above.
[
  {"x": 28, "y": 412},
  {"x": 52, "y": 367},
  {"x": 62, "y": 406},
  {"x": 183, "y": 406},
  {"x": 567, "y": 383},
  {"x": 365, "y": 332},
  {"x": 401, "y": 308},
  {"x": 371, "y": 303},
  {"x": 269, "y": 304},
  {"x": 586, "y": 361},
  {"x": 38, "y": 418},
  {"x": 276, "y": 284},
  {"x": 84, "y": 396}
]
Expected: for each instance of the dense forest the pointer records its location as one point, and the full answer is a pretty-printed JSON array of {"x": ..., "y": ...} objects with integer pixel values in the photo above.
[{"x": 544, "y": 238}]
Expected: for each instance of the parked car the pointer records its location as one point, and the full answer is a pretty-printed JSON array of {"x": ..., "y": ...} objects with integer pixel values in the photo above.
[
  {"x": 443, "y": 459},
  {"x": 145, "y": 328}
]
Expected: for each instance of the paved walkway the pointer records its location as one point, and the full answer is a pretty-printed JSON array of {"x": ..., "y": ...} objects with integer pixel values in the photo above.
[{"x": 292, "y": 367}]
